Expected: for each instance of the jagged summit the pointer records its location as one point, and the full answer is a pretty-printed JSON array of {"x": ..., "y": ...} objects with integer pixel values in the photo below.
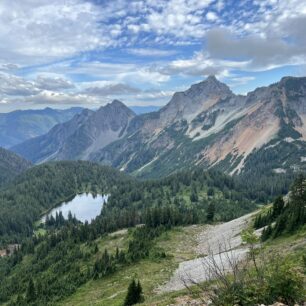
[
  {"x": 117, "y": 103},
  {"x": 116, "y": 106},
  {"x": 206, "y": 125},
  {"x": 82, "y": 135},
  {"x": 209, "y": 87}
]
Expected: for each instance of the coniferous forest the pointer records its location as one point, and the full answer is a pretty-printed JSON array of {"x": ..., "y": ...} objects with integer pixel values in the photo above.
[{"x": 46, "y": 268}]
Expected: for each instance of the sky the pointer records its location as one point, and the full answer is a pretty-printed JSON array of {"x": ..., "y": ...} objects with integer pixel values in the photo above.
[{"x": 64, "y": 53}]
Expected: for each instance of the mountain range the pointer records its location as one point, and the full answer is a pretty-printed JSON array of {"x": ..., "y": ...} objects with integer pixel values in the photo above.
[
  {"x": 207, "y": 125},
  {"x": 21, "y": 125}
]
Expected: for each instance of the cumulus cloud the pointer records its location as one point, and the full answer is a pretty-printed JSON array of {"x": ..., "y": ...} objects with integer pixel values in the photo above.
[
  {"x": 37, "y": 30},
  {"x": 56, "y": 83},
  {"x": 59, "y": 98},
  {"x": 112, "y": 89},
  {"x": 8, "y": 67},
  {"x": 227, "y": 49},
  {"x": 261, "y": 52},
  {"x": 51, "y": 50},
  {"x": 16, "y": 86}
]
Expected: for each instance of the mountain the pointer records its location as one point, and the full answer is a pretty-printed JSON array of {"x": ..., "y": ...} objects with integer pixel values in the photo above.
[
  {"x": 11, "y": 165},
  {"x": 18, "y": 126},
  {"x": 81, "y": 136},
  {"x": 206, "y": 125}
]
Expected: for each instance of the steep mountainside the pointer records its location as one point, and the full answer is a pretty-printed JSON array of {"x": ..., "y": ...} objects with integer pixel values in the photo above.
[
  {"x": 80, "y": 136},
  {"x": 11, "y": 165},
  {"x": 206, "y": 125},
  {"x": 210, "y": 126},
  {"x": 18, "y": 126}
]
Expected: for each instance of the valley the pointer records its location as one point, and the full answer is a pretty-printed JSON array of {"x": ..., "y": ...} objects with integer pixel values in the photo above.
[
  {"x": 188, "y": 207},
  {"x": 160, "y": 227},
  {"x": 152, "y": 153}
]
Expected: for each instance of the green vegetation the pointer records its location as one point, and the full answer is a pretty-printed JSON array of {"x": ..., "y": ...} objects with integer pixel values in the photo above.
[
  {"x": 11, "y": 165},
  {"x": 43, "y": 187},
  {"x": 65, "y": 260},
  {"x": 134, "y": 294},
  {"x": 260, "y": 170},
  {"x": 58, "y": 263},
  {"x": 285, "y": 218}
]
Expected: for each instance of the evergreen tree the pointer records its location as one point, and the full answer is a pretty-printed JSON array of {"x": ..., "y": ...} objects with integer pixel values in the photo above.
[
  {"x": 31, "y": 292},
  {"x": 210, "y": 192},
  {"x": 139, "y": 291},
  {"x": 194, "y": 196},
  {"x": 134, "y": 294},
  {"x": 278, "y": 206},
  {"x": 210, "y": 212}
]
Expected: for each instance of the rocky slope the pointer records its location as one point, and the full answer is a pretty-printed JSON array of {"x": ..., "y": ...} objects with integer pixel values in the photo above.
[
  {"x": 79, "y": 137},
  {"x": 19, "y": 126},
  {"x": 205, "y": 125},
  {"x": 210, "y": 126},
  {"x": 11, "y": 165}
]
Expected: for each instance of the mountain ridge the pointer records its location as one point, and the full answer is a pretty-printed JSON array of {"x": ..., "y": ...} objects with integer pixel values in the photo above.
[
  {"x": 76, "y": 138},
  {"x": 21, "y": 125},
  {"x": 207, "y": 125}
]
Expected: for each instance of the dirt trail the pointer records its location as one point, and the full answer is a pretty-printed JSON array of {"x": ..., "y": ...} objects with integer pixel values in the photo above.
[{"x": 221, "y": 240}]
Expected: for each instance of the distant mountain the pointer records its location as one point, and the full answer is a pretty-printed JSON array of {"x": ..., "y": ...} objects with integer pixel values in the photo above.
[
  {"x": 207, "y": 125},
  {"x": 81, "y": 136},
  {"x": 138, "y": 110},
  {"x": 18, "y": 126},
  {"x": 11, "y": 165}
]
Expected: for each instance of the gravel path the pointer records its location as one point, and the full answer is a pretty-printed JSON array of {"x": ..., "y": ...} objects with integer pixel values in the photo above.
[{"x": 219, "y": 244}]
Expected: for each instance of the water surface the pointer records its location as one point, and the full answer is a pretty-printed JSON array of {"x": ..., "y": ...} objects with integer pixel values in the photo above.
[{"x": 85, "y": 207}]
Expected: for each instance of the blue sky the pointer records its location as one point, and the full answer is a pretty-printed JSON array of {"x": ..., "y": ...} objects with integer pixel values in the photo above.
[{"x": 62, "y": 53}]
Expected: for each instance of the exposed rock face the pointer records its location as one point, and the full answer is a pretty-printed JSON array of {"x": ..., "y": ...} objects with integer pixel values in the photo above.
[
  {"x": 205, "y": 125},
  {"x": 80, "y": 136},
  {"x": 208, "y": 125}
]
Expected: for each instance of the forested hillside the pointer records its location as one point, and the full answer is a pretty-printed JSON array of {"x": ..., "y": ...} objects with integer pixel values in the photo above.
[
  {"x": 11, "y": 165},
  {"x": 57, "y": 262},
  {"x": 187, "y": 194},
  {"x": 43, "y": 187},
  {"x": 61, "y": 255},
  {"x": 286, "y": 216}
]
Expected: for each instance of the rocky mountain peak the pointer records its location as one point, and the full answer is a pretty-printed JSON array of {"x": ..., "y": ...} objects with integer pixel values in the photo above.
[
  {"x": 209, "y": 87},
  {"x": 116, "y": 106}
]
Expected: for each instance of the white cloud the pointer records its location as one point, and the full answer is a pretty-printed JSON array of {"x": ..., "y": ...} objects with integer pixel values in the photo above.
[
  {"x": 38, "y": 30},
  {"x": 111, "y": 90},
  {"x": 58, "y": 37},
  {"x": 55, "y": 83},
  {"x": 211, "y": 16},
  {"x": 12, "y": 85},
  {"x": 52, "y": 98}
]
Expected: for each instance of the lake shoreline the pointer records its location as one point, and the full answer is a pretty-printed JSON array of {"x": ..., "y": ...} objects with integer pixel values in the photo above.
[{"x": 84, "y": 206}]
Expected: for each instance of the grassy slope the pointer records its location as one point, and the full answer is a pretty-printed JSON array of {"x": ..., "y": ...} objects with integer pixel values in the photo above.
[
  {"x": 178, "y": 244},
  {"x": 111, "y": 290}
]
